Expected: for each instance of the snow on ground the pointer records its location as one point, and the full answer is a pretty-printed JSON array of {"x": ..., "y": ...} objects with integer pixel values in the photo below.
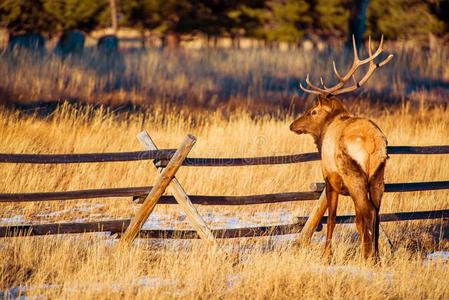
[
  {"x": 17, "y": 219},
  {"x": 151, "y": 282},
  {"x": 218, "y": 220},
  {"x": 437, "y": 256}
]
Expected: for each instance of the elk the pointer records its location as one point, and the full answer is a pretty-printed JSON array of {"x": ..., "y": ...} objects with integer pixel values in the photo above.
[{"x": 352, "y": 149}]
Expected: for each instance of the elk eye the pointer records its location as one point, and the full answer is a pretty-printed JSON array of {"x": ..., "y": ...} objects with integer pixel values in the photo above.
[{"x": 314, "y": 112}]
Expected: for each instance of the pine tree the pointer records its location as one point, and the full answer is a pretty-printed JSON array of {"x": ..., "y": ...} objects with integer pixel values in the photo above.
[
  {"x": 25, "y": 16},
  {"x": 409, "y": 19},
  {"x": 288, "y": 20},
  {"x": 331, "y": 17},
  {"x": 83, "y": 15}
]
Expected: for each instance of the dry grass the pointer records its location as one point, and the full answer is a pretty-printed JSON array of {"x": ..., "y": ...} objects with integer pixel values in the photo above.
[
  {"x": 257, "y": 78},
  {"x": 89, "y": 266}
]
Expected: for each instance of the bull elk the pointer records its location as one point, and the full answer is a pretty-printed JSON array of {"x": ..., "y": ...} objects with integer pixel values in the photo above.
[{"x": 353, "y": 151}]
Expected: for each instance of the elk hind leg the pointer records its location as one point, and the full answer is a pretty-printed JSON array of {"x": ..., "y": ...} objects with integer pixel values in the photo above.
[
  {"x": 376, "y": 190},
  {"x": 366, "y": 213},
  {"x": 356, "y": 182}
]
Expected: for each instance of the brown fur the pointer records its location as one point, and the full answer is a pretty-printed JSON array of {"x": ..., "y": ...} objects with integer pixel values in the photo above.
[{"x": 353, "y": 157}]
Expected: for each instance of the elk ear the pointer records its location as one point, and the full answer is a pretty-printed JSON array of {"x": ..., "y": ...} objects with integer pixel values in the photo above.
[
  {"x": 325, "y": 104},
  {"x": 319, "y": 103}
]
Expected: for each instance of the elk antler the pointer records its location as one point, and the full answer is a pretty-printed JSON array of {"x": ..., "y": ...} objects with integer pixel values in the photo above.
[{"x": 339, "y": 87}]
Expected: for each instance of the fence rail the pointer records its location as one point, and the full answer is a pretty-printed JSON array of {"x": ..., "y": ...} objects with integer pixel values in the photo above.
[
  {"x": 140, "y": 192},
  {"x": 86, "y": 157},
  {"x": 119, "y": 226},
  {"x": 161, "y": 158},
  {"x": 296, "y": 158},
  {"x": 164, "y": 155}
]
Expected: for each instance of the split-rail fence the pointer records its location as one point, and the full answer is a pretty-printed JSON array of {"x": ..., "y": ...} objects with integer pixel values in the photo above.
[{"x": 168, "y": 161}]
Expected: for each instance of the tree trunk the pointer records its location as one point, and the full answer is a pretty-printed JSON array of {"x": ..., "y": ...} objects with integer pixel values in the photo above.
[
  {"x": 357, "y": 23},
  {"x": 143, "y": 38},
  {"x": 171, "y": 40},
  {"x": 113, "y": 8}
]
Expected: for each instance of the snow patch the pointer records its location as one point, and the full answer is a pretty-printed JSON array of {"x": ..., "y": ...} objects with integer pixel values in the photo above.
[
  {"x": 12, "y": 220},
  {"x": 438, "y": 256}
]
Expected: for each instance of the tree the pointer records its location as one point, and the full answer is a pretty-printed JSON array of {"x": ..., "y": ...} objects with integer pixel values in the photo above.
[
  {"x": 25, "y": 16},
  {"x": 289, "y": 19},
  {"x": 357, "y": 23},
  {"x": 331, "y": 17},
  {"x": 409, "y": 19},
  {"x": 280, "y": 20},
  {"x": 246, "y": 19},
  {"x": 83, "y": 15}
]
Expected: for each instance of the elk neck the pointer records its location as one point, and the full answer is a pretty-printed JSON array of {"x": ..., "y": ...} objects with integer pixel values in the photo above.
[{"x": 333, "y": 116}]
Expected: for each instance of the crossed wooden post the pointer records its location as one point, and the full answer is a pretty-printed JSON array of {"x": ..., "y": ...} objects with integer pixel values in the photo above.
[{"x": 165, "y": 179}]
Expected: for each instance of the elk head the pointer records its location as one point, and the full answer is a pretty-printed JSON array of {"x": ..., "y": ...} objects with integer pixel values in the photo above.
[
  {"x": 315, "y": 118},
  {"x": 327, "y": 105}
]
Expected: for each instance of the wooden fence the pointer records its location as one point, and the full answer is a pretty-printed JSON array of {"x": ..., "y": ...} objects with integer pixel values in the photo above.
[{"x": 168, "y": 161}]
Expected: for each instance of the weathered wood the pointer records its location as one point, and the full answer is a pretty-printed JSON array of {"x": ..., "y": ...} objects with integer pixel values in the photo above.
[
  {"x": 295, "y": 158},
  {"x": 418, "y": 149},
  {"x": 227, "y": 233},
  {"x": 242, "y": 200},
  {"x": 399, "y": 187},
  {"x": 401, "y": 216},
  {"x": 85, "y": 157},
  {"x": 317, "y": 186},
  {"x": 180, "y": 195},
  {"x": 416, "y": 186},
  {"x": 163, "y": 157},
  {"x": 80, "y": 194},
  {"x": 246, "y": 161},
  {"x": 119, "y": 226},
  {"x": 113, "y": 226},
  {"x": 140, "y": 192},
  {"x": 314, "y": 219},
  {"x": 162, "y": 181}
]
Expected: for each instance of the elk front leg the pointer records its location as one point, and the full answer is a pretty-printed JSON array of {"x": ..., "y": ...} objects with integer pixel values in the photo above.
[{"x": 332, "y": 202}]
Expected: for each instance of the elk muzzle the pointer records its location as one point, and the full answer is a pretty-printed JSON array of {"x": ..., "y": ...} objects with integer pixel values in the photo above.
[{"x": 296, "y": 128}]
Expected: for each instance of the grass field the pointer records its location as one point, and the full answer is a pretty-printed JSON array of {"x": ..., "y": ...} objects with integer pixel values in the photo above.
[
  {"x": 90, "y": 266},
  {"x": 263, "y": 80},
  {"x": 237, "y": 103}
]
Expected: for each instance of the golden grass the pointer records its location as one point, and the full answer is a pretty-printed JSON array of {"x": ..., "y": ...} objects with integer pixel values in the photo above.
[
  {"x": 89, "y": 266},
  {"x": 258, "y": 78}
]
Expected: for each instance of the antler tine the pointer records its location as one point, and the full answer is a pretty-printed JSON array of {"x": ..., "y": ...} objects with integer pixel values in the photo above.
[
  {"x": 314, "y": 87},
  {"x": 376, "y": 53},
  {"x": 335, "y": 71},
  {"x": 369, "y": 47},
  {"x": 385, "y": 61},
  {"x": 354, "y": 46},
  {"x": 309, "y": 91},
  {"x": 322, "y": 83},
  {"x": 372, "y": 67},
  {"x": 339, "y": 87}
]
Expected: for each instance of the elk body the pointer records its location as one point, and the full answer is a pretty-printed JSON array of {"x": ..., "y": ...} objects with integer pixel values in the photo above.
[{"x": 353, "y": 153}]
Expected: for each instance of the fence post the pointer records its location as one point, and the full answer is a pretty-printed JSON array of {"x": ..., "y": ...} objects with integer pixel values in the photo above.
[
  {"x": 180, "y": 195},
  {"x": 162, "y": 181},
  {"x": 314, "y": 219}
]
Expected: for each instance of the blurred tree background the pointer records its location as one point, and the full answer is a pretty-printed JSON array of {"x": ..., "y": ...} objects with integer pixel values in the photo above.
[{"x": 269, "y": 20}]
